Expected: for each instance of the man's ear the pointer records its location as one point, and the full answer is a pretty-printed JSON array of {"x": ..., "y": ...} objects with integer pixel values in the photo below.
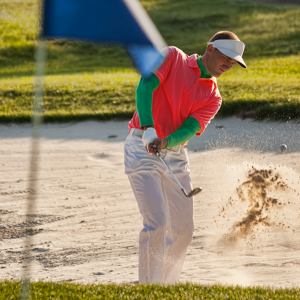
[{"x": 209, "y": 48}]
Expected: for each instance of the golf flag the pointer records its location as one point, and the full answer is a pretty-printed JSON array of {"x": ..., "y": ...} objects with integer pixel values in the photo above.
[{"x": 123, "y": 22}]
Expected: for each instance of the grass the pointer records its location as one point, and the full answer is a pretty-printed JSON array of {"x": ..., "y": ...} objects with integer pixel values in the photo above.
[
  {"x": 90, "y": 81},
  {"x": 71, "y": 291},
  {"x": 80, "y": 96},
  {"x": 271, "y": 87},
  {"x": 103, "y": 95}
]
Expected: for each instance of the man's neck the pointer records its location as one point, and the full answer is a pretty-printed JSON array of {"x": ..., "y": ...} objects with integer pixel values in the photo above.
[
  {"x": 203, "y": 60},
  {"x": 202, "y": 66}
]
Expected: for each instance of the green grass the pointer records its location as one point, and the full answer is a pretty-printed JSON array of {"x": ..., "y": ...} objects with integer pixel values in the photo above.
[
  {"x": 271, "y": 87},
  {"x": 71, "y": 291},
  {"x": 76, "y": 97},
  {"x": 90, "y": 81}
]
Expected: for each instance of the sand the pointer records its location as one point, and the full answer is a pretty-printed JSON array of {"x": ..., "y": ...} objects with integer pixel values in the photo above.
[{"x": 86, "y": 227}]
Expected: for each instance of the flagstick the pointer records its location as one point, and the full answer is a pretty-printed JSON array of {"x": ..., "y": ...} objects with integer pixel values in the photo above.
[{"x": 34, "y": 159}]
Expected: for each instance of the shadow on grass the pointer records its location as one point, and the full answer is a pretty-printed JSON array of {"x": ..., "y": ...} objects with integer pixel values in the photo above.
[
  {"x": 259, "y": 110},
  {"x": 68, "y": 117}
]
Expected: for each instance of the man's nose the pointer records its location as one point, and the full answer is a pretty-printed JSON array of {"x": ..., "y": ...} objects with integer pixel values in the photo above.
[{"x": 228, "y": 65}]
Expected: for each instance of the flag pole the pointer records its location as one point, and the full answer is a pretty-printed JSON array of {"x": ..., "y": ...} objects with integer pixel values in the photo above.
[{"x": 41, "y": 51}]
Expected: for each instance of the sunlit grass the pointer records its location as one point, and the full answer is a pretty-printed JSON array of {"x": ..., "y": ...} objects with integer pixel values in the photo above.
[
  {"x": 72, "y": 291},
  {"x": 270, "y": 86},
  {"x": 266, "y": 86},
  {"x": 94, "y": 81},
  {"x": 78, "y": 96}
]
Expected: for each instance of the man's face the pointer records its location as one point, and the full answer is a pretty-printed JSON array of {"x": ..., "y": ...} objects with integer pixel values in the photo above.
[{"x": 218, "y": 63}]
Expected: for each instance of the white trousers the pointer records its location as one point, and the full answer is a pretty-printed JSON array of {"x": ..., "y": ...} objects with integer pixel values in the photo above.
[{"x": 167, "y": 213}]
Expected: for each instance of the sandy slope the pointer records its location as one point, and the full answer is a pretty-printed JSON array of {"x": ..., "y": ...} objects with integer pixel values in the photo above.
[{"x": 247, "y": 226}]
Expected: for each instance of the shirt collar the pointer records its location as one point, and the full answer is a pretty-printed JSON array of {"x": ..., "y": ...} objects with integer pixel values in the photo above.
[{"x": 192, "y": 61}]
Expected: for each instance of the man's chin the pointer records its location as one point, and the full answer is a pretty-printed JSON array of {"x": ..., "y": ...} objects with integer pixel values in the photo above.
[{"x": 217, "y": 75}]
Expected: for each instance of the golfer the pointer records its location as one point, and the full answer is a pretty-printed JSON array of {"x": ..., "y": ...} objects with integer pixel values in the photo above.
[{"x": 176, "y": 102}]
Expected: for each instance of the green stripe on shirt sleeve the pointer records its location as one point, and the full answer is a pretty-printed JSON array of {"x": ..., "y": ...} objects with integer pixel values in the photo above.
[
  {"x": 144, "y": 98},
  {"x": 184, "y": 133}
]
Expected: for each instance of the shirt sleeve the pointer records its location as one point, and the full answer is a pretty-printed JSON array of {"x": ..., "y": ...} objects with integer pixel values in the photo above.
[
  {"x": 146, "y": 87},
  {"x": 163, "y": 71},
  {"x": 144, "y": 98},
  {"x": 184, "y": 133},
  {"x": 206, "y": 111}
]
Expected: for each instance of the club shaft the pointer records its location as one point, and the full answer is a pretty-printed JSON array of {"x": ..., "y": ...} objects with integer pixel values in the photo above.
[{"x": 172, "y": 174}]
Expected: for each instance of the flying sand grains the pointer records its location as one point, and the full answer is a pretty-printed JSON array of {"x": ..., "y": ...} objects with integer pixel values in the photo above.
[{"x": 256, "y": 192}]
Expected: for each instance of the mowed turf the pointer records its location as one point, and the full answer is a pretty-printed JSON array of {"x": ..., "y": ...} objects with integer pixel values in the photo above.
[
  {"x": 91, "y": 81},
  {"x": 71, "y": 291}
]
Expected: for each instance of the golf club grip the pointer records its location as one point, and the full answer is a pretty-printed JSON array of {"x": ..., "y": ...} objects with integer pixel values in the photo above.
[{"x": 156, "y": 152}]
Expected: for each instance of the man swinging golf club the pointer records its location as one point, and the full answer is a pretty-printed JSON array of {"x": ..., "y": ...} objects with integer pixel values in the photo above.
[{"x": 174, "y": 103}]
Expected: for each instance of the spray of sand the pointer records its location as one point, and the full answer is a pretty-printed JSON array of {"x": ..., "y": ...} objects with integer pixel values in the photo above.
[{"x": 266, "y": 200}]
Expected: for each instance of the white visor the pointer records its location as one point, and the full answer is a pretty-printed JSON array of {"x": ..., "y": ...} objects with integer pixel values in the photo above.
[{"x": 231, "y": 48}]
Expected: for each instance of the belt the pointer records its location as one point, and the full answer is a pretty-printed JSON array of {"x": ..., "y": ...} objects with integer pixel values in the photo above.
[{"x": 139, "y": 133}]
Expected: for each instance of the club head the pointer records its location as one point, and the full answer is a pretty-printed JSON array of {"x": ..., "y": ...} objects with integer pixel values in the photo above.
[{"x": 194, "y": 192}]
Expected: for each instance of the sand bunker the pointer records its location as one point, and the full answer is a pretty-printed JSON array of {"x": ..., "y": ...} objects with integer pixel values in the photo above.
[{"x": 87, "y": 222}]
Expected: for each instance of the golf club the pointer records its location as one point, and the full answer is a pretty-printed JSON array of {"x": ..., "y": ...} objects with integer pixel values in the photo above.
[{"x": 191, "y": 193}]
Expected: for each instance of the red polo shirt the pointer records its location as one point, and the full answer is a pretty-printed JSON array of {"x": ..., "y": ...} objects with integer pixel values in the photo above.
[{"x": 181, "y": 94}]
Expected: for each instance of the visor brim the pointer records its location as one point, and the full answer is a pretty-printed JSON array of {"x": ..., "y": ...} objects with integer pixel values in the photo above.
[{"x": 233, "y": 55}]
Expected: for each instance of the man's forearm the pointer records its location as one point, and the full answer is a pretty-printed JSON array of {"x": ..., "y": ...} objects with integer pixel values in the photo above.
[
  {"x": 144, "y": 98},
  {"x": 184, "y": 133}
]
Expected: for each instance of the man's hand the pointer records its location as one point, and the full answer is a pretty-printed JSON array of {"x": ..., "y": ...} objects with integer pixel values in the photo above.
[
  {"x": 149, "y": 136},
  {"x": 158, "y": 143}
]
